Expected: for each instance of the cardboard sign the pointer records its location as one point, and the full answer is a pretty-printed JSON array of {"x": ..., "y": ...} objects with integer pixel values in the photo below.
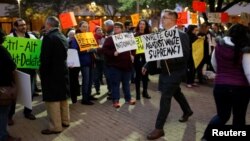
[
  {"x": 139, "y": 43},
  {"x": 73, "y": 58},
  {"x": 124, "y": 42},
  {"x": 135, "y": 19},
  {"x": 162, "y": 45},
  {"x": 23, "y": 86},
  {"x": 182, "y": 18},
  {"x": 199, "y": 6},
  {"x": 214, "y": 17},
  {"x": 67, "y": 20},
  {"x": 94, "y": 23},
  {"x": 86, "y": 41},
  {"x": 25, "y": 52},
  {"x": 198, "y": 51}
]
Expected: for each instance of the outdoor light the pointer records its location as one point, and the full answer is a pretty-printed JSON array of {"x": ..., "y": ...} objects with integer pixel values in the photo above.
[{"x": 19, "y": 8}]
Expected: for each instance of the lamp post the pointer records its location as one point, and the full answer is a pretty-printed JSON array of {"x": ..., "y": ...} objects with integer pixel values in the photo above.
[{"x": 19, "y": 8}]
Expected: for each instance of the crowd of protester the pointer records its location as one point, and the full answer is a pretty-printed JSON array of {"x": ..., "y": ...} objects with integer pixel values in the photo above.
[{"x": 229, "y": 51}]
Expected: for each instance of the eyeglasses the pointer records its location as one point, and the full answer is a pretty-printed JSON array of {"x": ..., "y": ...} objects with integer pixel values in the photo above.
[
  {"x": 22, "y": 25},
  {"x": 164, "y": 17}
]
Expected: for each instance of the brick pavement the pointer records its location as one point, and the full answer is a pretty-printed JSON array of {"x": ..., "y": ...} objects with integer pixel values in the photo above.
[{"x": 102, "y": 122}]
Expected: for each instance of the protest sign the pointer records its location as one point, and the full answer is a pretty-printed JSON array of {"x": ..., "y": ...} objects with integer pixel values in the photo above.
[
  {"x": 25, "y": 52},
  {"x": 86, "y": 41},
  {"x": 94, "y": 23},
  {"x": 198, "y": 51},
  {"x": 73, "y": 58},
  {"x": 214, "y": 17},
  {"x": 23, "y": 85},
  {"x": 139, "y": 43},
  {"x": 135, "y": 19},
  {"x": 162, "y": 45},
  {"x": 194, "y": 18},
  {"x": 224, "y": 17},
  {"x": 67, "y": 20},
  {"x": 182, "y": 18},
  {"x": 124, "y": 42},
  {"x": 199, "y": 6}
]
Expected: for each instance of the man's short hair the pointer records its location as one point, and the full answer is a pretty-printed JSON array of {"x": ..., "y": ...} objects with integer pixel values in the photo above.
[
  {"x": 118, "y": 24},
  {"x": 108, "y": 23},
  {"x": 16, "y": 21},
  {"x": 53, "y": 21},
  {"x": 170, "y": 12}
]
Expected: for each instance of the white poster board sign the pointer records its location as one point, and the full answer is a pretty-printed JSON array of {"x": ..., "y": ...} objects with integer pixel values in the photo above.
[
  {"x": 23, "y": 89},
  {"x": 124, "y": 42},
  {"x": 162, "y": 45},
  {"x": 73, "y": 58}
]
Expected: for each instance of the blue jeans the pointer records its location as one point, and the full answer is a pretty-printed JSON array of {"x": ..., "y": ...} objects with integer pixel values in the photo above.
[
  {"x": 229, "y": 99},
  {"x": 86, "y": 82},
  {"x": 117, "y": 76},
  {"x": 4, "y": 110}
]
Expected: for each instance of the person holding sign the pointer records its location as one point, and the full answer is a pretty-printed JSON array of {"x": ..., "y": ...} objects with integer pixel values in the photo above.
[
  {"x": 21, "y": 31},
  {"x": 86, "y": 62},
  {"x": 141, "y": 29},
  {"x": 55, "y": 76},
  {"x": 119, "y": 66},
  {"x": 172, "y": 73}
]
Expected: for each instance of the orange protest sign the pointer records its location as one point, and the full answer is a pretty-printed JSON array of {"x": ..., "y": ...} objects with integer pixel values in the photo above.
[
  {"x": 67, "y": 20},
  {"x": 194, "y": 18},
  {"x": 94, "y": 23},
  {"x": 224, "y": 17},
  {"x": 199, "y": 6},
  {"x": 86, "y": 41},
  {"x": 135, "y": 19},
  {"x": 182, "y": 18}
]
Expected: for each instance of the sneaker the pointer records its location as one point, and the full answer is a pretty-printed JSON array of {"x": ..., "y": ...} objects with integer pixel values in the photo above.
[
  {"x": 131, "y": 102},
  {"x": 116, "y": 105}
]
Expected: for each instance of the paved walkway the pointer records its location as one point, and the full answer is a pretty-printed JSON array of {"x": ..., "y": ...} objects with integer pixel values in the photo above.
[{"x": 102, "y": 122}]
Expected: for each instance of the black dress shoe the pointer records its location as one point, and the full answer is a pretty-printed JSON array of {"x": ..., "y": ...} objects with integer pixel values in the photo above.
[
  {"x": 185, "y": 117},
  {"x": 65, "y": 125},
  {"x": 30, "y": 116},
  {"x": 92, "y": 98},
  {"x": 48, "y": 132},
  {"x": 155, "y": 134},
  {"x": 147, "y": 96},
  {"x": 87, "y": 103}
]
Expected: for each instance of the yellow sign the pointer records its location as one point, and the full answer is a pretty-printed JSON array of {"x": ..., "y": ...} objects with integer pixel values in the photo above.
[
  {"x": 198, "y": 51},
  {"x": 135, "y": 19},
  {"x": 194, "y": 18},
  {"x": 86, "y": 41},
  {"x": 139, "y": 43}
]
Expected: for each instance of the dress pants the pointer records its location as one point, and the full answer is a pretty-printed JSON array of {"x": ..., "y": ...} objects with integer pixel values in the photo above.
[
  {"x": 170, "y": 90},
  {"x": 58, "y": 114}
]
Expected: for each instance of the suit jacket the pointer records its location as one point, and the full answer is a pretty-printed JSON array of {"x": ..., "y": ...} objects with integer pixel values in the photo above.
[{"x": 53, "y": 68}]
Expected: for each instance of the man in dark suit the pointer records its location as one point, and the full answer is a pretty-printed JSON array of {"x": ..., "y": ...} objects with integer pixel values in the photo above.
[
  {"x": 172, "y": 73},
  {"x": 54, "y": 76}
]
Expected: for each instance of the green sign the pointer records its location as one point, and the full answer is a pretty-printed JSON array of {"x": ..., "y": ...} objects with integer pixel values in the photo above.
[{"x": 25, "y": 52}]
